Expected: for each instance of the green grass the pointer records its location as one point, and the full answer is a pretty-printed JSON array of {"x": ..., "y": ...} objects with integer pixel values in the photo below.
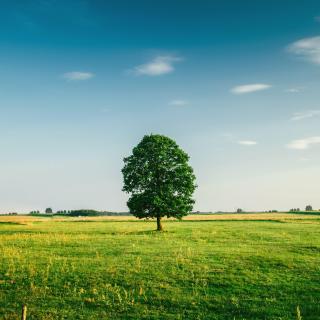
[{"x": 194, "y": 270}]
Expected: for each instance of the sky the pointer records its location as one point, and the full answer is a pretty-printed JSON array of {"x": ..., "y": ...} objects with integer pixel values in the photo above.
[{"x": 234, "y": 83}]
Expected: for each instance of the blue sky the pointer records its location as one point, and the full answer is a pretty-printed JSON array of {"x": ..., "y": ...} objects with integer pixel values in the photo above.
[{"x": 235, "y": 83}]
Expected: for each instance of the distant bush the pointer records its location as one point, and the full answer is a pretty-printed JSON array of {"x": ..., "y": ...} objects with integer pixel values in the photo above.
[
  {"x": 308, "y": 208},
  {"x": 313, "y": 212},
  {"x": 48, "y": 210},
  {"x": 239, "y": 210},
  {"x": 84, "y": 212},
  {"x": 109, "y": 213},
  {"x": 93, "y": 213}
]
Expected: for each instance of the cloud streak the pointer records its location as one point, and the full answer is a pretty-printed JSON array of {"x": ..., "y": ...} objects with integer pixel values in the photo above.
[
  {"x": 294, "y": 90},
  {"x": 249, "y": 88},
  {"x": 178, "y": 103},
  {"x": 305, "y": 115},
  {"x": 248, "y": 143},
  {"x": 78, "y": 76},
  {"x": 307, "y": 48},
  {"x": 303, "y": 144},
  {"x": 158, "y": 66}
]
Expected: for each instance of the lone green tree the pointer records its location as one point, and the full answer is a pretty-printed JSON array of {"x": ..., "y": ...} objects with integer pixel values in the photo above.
[{"x": 159, "y": 179}]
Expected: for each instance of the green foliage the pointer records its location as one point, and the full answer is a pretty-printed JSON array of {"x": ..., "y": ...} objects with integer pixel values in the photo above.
[
  {"x": 197, "y": 270},
  {"x": 159, "y": 179},
  {"x": 48, "y": 210},
  {"x": 34, "y": 212},
  {"x": 308, "y": 208},
  {"x": 84, "y": 213}
]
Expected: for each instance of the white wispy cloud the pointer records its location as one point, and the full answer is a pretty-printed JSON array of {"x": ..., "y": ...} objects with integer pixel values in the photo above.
[
  {"x": 227, "y": 135},
  {"x": 294, "y": 90},
  {"x": 302, "y": 144},
  {"x": 158, "y": 66},
  {"x": 247, "y": 142},
  {"x": 307, "y": 48},
  {"x": 78, "y": 76},
  {"x": 248, "y": 88},
  {"x": 178, "y": 102},
  {"x": 305, "y": 114}
]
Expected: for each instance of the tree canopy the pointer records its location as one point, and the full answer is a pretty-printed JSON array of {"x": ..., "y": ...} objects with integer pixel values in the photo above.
[{"x": 159, "y": 179}]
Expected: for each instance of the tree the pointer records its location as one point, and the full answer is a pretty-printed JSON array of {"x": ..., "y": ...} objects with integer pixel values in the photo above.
[
  {"x": 308, "y": 208},
  {"x": 48, "y": 210},
  {"x": 159, "y": 179},
  {"x": 239, "y": 210}
]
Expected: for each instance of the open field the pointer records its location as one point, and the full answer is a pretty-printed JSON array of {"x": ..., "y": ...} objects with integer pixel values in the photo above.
[
  {"x": 244, "y": 266},
  {"x": 192, "y": 217}
]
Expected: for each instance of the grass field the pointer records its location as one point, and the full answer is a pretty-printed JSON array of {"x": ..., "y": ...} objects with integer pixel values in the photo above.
[{"x": 250, "y": 266}]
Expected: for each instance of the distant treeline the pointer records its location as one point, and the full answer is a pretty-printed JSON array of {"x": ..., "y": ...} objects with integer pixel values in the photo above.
[
  {"x": 79, "y": 212},
  {"x": 95, "y": 213}
]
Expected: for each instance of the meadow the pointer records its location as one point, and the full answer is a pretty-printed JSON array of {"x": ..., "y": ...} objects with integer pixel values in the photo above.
[{"x": 243, "y": 266}]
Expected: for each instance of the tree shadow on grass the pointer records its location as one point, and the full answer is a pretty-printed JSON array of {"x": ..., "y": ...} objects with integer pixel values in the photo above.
[
  {"x": 12, "y": 222},
  {"x": 144, "y": 232}
]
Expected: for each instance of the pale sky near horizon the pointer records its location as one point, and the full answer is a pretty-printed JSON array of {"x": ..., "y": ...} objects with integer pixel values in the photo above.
[{"x": 235, "y": 83}]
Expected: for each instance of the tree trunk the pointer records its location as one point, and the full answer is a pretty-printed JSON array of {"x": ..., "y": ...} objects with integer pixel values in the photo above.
[{"x": 159, "y": 225}]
